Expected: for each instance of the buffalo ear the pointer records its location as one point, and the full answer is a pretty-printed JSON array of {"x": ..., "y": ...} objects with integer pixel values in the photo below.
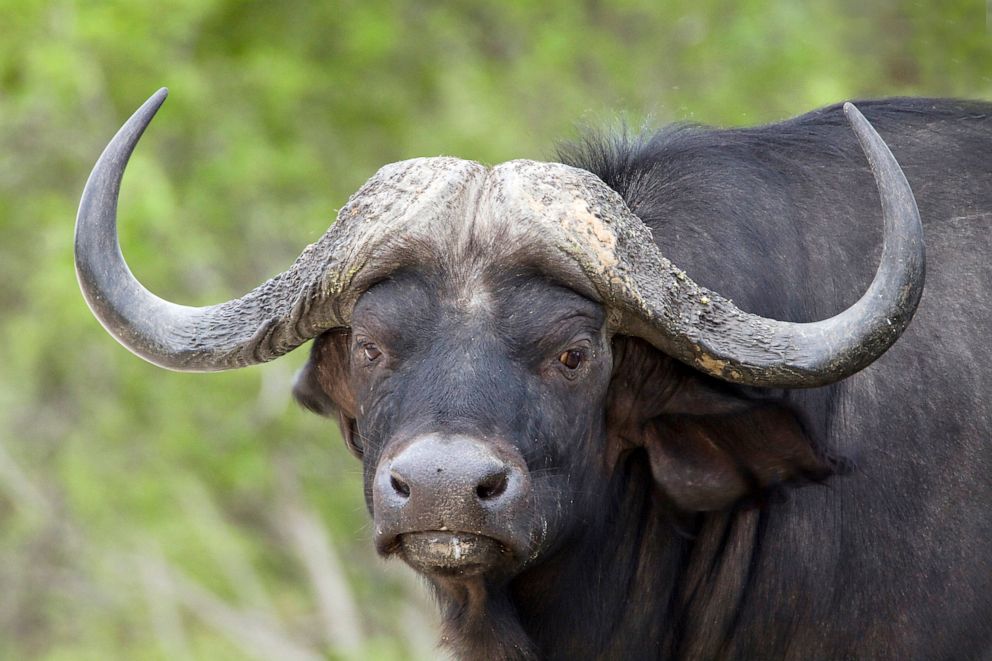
[
  {"x": 309, "y": 393},
  {"x": 708, "y": 462},
  {"x": 709, "y": 444},
  {"x": 322, "y": 385}
]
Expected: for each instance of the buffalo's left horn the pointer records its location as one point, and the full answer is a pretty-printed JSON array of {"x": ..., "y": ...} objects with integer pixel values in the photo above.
[{"x": 660, "y": 303}]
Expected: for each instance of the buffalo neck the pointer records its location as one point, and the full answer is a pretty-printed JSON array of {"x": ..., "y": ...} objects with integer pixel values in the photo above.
[
  {"x": 609, "y": 591},
  {"x": 638, "y": 582}
]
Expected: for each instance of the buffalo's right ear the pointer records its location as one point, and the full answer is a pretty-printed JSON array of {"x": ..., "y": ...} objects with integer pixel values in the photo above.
[
  {"x": 322, "y": 385},
  {"x": 309, "y": 393}
]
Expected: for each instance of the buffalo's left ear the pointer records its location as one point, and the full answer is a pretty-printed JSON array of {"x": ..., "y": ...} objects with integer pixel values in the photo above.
[{"x": 709, "y": 444}]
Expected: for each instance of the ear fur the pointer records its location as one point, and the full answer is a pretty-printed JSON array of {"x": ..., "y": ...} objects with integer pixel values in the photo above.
[
  {"x": 309, "y": 393},
  {"x": 321, "y": 385},
  {"x": 709, "y": 444}
]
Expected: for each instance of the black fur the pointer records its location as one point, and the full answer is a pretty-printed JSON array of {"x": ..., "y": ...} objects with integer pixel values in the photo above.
[{"x": 672, "y": 528}]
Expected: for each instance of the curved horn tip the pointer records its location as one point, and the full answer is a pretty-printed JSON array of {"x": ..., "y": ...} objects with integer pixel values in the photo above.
[
  {"x": 155, "y": 101},
  {"x": 144, "y": 114},
  {"x": 854, "y": 116}
]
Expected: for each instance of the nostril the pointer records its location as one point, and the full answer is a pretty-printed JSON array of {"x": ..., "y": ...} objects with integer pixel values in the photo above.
[
  {"x": 492, "y": 486},
  {"x": 399, "y": 485}
]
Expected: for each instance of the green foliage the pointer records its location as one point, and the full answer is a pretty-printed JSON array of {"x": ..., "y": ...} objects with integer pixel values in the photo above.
[{"x": 152, "y": 515}]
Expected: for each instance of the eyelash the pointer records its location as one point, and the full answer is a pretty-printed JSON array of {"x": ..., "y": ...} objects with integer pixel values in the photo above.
[{"x": 368, "y": 351}]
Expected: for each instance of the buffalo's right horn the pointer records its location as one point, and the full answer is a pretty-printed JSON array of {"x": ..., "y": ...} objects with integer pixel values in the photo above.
[
  {"x": 314, "y": 295},
  {"x": 256, "y": 327}
]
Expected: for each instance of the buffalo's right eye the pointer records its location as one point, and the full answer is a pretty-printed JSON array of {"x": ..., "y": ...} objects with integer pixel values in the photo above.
[{"x": 371, "y": 352}]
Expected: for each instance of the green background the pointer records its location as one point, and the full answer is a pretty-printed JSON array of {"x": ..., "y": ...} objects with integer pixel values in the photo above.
[{"x": 146, "y": 514}]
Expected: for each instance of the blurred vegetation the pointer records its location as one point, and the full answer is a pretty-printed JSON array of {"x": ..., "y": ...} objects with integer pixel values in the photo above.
[{"x": 151, "y": 515}]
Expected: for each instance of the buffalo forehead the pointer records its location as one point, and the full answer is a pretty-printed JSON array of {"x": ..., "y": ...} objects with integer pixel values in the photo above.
[
  {"x": 418, "y": 197},
  {"x": 568, "y": 213},
  {"x": 518, "y": 198},
  {"x": 473, "y": 218},
  {"x": 559, "y": 202}
]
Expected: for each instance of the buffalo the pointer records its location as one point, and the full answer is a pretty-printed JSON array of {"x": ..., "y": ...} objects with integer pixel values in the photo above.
[{"x": 590, "y": 453}]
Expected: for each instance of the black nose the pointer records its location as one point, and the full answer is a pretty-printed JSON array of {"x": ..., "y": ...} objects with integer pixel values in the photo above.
[
  {"x": 456, "y": 469},
  {"x": 448, "y": 483}
]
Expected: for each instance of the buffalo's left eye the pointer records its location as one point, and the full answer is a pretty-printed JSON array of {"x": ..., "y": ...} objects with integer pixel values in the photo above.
[
  {"x": 571, "y": 358},
  {"x": 372, "y": 352}
]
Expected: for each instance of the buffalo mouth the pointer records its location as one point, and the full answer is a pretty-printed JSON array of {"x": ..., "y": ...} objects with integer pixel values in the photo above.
[{"x": 452, "y": 554}]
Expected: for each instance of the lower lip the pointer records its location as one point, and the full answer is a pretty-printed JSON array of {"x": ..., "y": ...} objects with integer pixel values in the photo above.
[{"x": 451, "y": 553}]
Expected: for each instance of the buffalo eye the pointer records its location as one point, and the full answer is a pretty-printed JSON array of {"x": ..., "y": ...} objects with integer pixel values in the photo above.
[
  {"x": 571, "y": 358},
  {"x": 371, "y": 352}
]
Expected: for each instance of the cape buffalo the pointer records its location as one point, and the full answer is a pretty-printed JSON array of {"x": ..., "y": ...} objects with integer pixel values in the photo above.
[{"x": 590, "y": 455}]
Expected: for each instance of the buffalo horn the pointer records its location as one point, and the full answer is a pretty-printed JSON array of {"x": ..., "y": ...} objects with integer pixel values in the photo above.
[
  {"x": 317, "y": 293},
  {"x": 643, "y": 292},
  {"x": 705, "y": 330}
]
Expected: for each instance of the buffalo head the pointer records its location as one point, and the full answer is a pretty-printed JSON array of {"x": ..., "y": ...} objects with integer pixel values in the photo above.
[{"x": 491, "y": 339}]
